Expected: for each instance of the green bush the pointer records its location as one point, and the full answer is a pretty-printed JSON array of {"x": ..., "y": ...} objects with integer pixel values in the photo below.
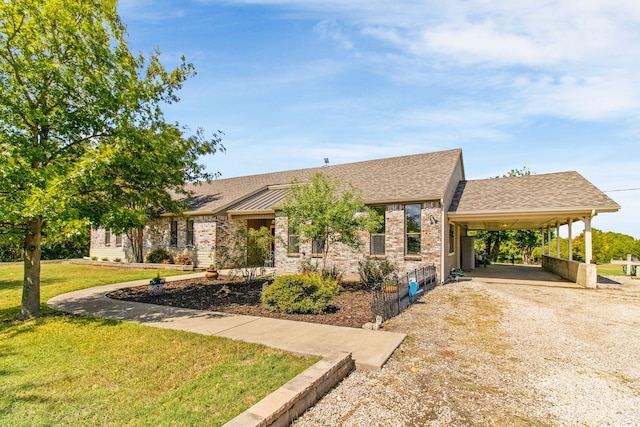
[
  {"x": 374, "y": 271},
  {"x": 159, "y": 256},
  {"x": 300, "y": 293}
]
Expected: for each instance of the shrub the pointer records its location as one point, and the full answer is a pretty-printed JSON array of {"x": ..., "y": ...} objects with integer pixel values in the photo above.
[
  {"x": 300, "y": 293},
  {"x": 159, "y": 256},
  {"x": 333, "y": 273},
  {"x": 117, "y": 260},
  {"x": 374, "y": 271},
  {"x": 309, "y": 265},
  {"x": 184, "y": 260}
]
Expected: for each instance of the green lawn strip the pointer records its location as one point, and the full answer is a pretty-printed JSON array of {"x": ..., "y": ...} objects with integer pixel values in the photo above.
[
  {"x": 74, "y": 370},
  {"x": 611, "y": 270},
  {"x": 58, "y": 279}
]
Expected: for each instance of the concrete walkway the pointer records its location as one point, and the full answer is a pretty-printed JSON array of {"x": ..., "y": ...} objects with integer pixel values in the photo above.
[{"x": 369, "y": 349}]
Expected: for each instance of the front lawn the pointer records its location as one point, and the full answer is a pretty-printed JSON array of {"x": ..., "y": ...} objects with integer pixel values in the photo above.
[{"x": 72, "y": 370}]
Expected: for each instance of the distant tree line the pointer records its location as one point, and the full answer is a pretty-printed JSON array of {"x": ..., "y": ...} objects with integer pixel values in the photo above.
[
  {"x": 526, "y": 246},
  {"x": 65, "y": 243}
]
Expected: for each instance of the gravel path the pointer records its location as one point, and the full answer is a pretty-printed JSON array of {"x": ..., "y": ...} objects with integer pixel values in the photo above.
[{"x": 501, "y": 354}]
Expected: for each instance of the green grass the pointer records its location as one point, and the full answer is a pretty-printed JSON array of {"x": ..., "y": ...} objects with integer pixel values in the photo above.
[
  {"x": 58, "y": 279},
  {"x": 611, "y": 270},
  {"x": 72, "y": 370}
]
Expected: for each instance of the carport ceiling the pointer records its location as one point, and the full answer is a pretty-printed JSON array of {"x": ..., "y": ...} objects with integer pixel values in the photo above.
[
  {"x": 530, "y": 202},
  {"x": 513, "y": 221}
]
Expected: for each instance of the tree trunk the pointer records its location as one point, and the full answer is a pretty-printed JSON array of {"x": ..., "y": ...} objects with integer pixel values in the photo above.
[
  {"x": 135, "y": 236},
  {"x": 31, "y": 285},
  {"x": 495, "y": 250}
]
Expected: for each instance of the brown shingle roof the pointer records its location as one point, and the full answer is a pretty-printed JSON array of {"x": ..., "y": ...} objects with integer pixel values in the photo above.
[
  {"x": 395, "y": 179},
  {"x": 559, "y": 191},
  {"x": 527, "y": 202}
]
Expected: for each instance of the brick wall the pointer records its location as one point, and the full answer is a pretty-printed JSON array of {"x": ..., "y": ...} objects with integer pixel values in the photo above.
[
  {"x": 214, "y": 231},
  {"x": 346, "y": 259}
]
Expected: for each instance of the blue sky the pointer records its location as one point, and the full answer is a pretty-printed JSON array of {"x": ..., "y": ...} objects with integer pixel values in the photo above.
[{"x": 548, "y": 85}]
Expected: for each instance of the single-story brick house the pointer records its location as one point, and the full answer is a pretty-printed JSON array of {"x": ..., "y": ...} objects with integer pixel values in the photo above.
[{"x": 426, "y": 190}]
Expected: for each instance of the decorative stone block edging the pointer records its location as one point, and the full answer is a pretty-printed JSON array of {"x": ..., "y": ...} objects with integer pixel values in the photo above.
[
  {"x": 148, "y": 266},
  {"x": 287, "y": 403}
]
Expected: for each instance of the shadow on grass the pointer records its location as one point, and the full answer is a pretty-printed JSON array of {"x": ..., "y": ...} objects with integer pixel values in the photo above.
[
  {"x": 6, "y": 285},
  {"x": 11, "y": 325}
]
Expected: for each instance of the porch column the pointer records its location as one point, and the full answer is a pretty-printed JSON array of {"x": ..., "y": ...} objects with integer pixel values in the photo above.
[
  {"x": 558, "y": 240},
  {"x": 542, "y": 235},
  {"x": 548, "y": 240},
  {"x": 588, "y": 247},
  {"x": 570, "y": 225}
]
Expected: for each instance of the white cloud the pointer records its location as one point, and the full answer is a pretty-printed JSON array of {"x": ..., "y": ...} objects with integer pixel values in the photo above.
[
  {"x": 609, "y": 95},
  {"x": 329, "y": 28}
]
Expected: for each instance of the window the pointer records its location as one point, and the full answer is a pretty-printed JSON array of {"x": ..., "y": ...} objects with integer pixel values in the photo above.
[
  {"x": 107, "y": 237},
  {"x": 452, "y": 238},
  {"x": 173, "y": 239},
  {"x": 412, "y": 227},
  {"x": 378, "y": 236},
  {"x": 293, "y": 246},
  {"x": 317, "y": 246},
  {"x": 189, "y": 232},
  {"x": 119, "y": 240}
]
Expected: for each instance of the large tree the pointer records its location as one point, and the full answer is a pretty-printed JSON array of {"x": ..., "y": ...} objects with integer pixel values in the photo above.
[
  {"x": 322, "y": 210},
  {"x": 82, "y": 134}
]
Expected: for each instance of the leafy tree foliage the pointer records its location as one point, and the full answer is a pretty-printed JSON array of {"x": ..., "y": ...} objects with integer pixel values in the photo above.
[
  {"x": 606, "y": 246},
  {"x": 319, "y": 210},
  {"x": 246, "y": 251},
  {"x": 82, "y": 134}
]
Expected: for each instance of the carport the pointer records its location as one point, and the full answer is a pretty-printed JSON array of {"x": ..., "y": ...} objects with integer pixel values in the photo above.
[{"x": 534, "y": 202}]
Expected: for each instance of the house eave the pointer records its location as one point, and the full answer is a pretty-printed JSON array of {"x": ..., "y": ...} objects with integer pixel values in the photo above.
[
  {"x": 535, "y": 212},
  {"x": 403, "y": 201}
]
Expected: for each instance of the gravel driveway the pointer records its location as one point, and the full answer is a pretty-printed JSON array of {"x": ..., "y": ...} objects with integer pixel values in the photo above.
[{"x": 498, "y": 353}]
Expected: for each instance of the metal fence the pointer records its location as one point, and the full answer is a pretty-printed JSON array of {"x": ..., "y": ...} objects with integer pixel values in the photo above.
[{"x": 389, "y": 301}]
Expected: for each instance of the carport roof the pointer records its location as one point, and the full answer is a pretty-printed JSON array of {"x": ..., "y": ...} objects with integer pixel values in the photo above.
[{"x": 527, "y": 202}]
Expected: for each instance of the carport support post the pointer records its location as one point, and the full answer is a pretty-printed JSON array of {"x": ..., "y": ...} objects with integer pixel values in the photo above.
[
  {"x": 558, "y": 240},
  {"x": 570, "y": 225},
  {"x": 588, "y": 246}
]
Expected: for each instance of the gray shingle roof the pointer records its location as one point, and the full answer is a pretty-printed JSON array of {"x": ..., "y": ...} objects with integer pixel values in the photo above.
[{"x": 389, "y": 180}]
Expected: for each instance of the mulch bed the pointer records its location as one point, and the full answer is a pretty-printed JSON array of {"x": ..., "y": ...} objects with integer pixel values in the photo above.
[{"x": 350, "y": 308}]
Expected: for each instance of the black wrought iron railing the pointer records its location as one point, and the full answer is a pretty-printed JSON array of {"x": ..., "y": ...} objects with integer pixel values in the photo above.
[{"x": 389, "y": 301}]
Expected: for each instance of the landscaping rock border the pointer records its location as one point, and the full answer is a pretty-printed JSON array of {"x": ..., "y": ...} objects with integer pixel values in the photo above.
[{"x": 286, "y": 404}]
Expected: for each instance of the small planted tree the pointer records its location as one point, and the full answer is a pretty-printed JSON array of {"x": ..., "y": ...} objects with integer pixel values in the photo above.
[
  {"x": 247, "y": 251},
  {"x": 319, "y": 211}
]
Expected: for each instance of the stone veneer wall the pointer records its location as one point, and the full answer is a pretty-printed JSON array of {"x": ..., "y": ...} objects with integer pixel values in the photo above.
[
  {"x": 158, "y": 234},
  {"x": 346, "y": 259},
  {"x": 214, "y": 231},
  {"x": 225, "y": 229}
]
